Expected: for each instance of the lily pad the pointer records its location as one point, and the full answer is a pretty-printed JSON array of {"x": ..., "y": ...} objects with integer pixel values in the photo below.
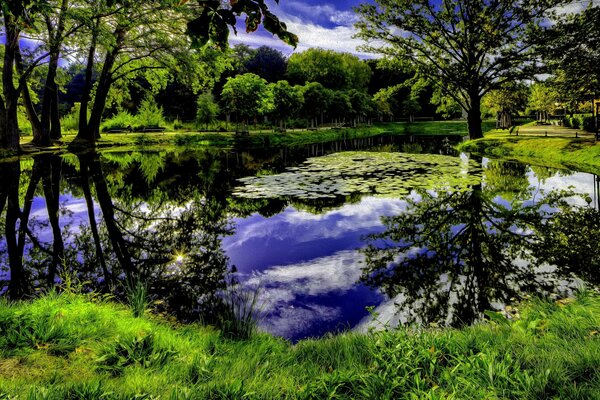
[{"x": 366, "y": 173}]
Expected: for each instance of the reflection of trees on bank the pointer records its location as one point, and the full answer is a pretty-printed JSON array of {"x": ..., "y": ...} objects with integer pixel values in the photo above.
[
  {"x": 26, "y": 257},
  {"x": 569, "y": 238},
  {"x": 169, "y": 240},
  {"x": 507, "y": 179},
  {"x": 174, "y": 247},
  {"x": 451, "y": 256}
]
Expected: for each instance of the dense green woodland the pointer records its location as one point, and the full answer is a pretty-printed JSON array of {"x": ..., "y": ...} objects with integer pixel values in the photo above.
[{"x": 86, "y": 67}]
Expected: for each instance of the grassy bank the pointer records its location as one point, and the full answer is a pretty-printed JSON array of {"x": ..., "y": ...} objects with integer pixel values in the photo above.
[
  {"x": 77, "y": 347},
  {"x": 165, "y": 140},
  {"x": 560, "y": 148}
]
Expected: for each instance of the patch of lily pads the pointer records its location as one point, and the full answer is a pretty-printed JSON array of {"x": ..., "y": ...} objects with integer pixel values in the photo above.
[{"x": 368, "y": 173}]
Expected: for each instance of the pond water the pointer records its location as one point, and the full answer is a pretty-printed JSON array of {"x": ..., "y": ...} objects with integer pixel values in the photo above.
[{"x": 317, "y": 234}]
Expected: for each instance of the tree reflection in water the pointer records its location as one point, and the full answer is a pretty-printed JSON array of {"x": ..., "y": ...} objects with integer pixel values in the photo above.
[
  {"x": 173, "y": 245},
  {"x": 451, "y": 256}
]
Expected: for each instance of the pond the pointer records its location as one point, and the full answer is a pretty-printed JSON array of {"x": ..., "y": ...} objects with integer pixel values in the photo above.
[{"x": 319, "y": 239}]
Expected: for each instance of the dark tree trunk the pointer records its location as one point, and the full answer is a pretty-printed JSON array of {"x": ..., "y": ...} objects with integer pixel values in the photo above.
[
  {"x": 10, "y": 139},
  {"x": 49, "y": 100},
  {"x": 116, "y": 236},
  {"x": 85, "y": 186},
  {"x": 92, "y": 133},
  {"x": 87, "y": 87},
  {"x": 51, "y": 185},
  {"x": 34, "y": 120},
  {"x": 474, "y": 116}
]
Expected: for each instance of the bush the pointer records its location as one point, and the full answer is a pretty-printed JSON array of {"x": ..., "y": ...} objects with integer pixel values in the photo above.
[
  {"x": 588, "y": 124},
  {"x": 580, "y": 121},
  {"x": 575, "y": 122},
  {"x": 122, "y": 120},
  {"x": 70, "y": 122},
  {"x": 150, "y": 114}
]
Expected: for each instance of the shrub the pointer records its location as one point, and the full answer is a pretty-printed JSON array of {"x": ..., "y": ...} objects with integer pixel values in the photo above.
[
  {"x": 122, "y": 120},
  {"x": 70, "y": 122},
  {"x": 150, "y": 113},
  {"x": 588, "y": 124},
  {"x": 575, "y": 122}
]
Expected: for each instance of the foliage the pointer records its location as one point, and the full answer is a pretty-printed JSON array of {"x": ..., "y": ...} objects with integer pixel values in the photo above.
[
  {"x": 215, "y": 20},
  {"x": 542, "y": 98},
  {"x": 316, "y": 99},
  {"x": 242, "y": 95},
  {"x": 287, "y": 100},
  {"x": 571, "y": 51},
  {"x": 70, "y": 122},
  {"x": 149, "y": 113},
  {"x": 339, "y": 71},
  {"x": 467, "y": 48},
  {"x": 266, "y": 62},
  {"x": 207, "y": 109},
  {"x": 123, "y": 120},
  {"x": 512, "y": 98},
  {"x": 552, "y": 350}
]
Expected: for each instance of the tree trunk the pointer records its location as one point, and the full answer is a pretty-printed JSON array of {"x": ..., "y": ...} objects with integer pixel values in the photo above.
[
  {"x": 116, "y": 236},
  {"x": 474, "y": 116},
  {"x": 51, "y": 184},
  {"x": 87, "y": 87},
  {"x": 10, "y": 139},
  {"x": 34, "y": 120},
  {"x": 85, "y": 186}
]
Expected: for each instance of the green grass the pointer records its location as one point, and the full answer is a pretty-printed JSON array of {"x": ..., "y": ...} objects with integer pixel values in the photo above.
[
  {"x": 75, "y": 347},
  {"x": 562, "y": 150},
  {"x": 175, "y": 139}
]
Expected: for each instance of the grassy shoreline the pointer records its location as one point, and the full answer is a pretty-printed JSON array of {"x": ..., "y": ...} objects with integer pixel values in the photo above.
[
  {"x": 264, "y": 138},
  {"x": 76, "y": 346},
  {"x": 560, "y": 149}
]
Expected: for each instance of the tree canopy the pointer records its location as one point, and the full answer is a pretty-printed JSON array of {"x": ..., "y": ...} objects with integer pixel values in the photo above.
[{"x": 466, "y": 47}]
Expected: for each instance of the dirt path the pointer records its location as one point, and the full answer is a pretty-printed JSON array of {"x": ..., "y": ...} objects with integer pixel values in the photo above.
[{"x": 551, "y": 131}]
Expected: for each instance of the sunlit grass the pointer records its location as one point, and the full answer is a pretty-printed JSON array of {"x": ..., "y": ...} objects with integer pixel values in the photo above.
[
  {"x": 256, "y": 138},
  {"x": 563, "y": 151},
  {"x": 72, "y": 346}
]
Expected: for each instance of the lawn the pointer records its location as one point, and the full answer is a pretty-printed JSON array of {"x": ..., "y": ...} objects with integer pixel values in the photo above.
[{"x": 76, "y": 346}]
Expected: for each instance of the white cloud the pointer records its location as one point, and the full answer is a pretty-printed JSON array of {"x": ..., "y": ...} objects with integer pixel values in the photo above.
[
  {"x": 303, "y": 226},
  {"x": 310, "y": 33},
  {"x": 281, "y": 286}
]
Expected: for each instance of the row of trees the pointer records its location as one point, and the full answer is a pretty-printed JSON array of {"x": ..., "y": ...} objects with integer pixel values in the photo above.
[
  {"x": 247, "y": 96},
  {"x": 115, "y": 41}
]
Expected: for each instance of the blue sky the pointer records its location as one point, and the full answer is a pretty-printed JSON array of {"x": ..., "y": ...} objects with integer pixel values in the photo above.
[
  {"x": 328, "y": 24},
  {"x": 325, "y": 24}
]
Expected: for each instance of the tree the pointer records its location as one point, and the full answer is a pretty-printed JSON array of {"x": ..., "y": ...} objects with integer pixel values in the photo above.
[
  {"x": 17, "y": 16},
  {"x": 267, "y": 63},
  {"x": 385, "y": 102},
  {"x": 287, "y": 101},
  {"x": 466, "y": 47},
  {"x": 572, "y": 53},
  {"x": 506, "y": 102},
  {"x": 338, "y": 71},
  {"x": 207, "y": 110},
  {"x": 542, "y": 100},
  {"x": 316, "y": 102},
  {"x": 361, "y": 105},
  {"x": 242, "y": 95}
]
